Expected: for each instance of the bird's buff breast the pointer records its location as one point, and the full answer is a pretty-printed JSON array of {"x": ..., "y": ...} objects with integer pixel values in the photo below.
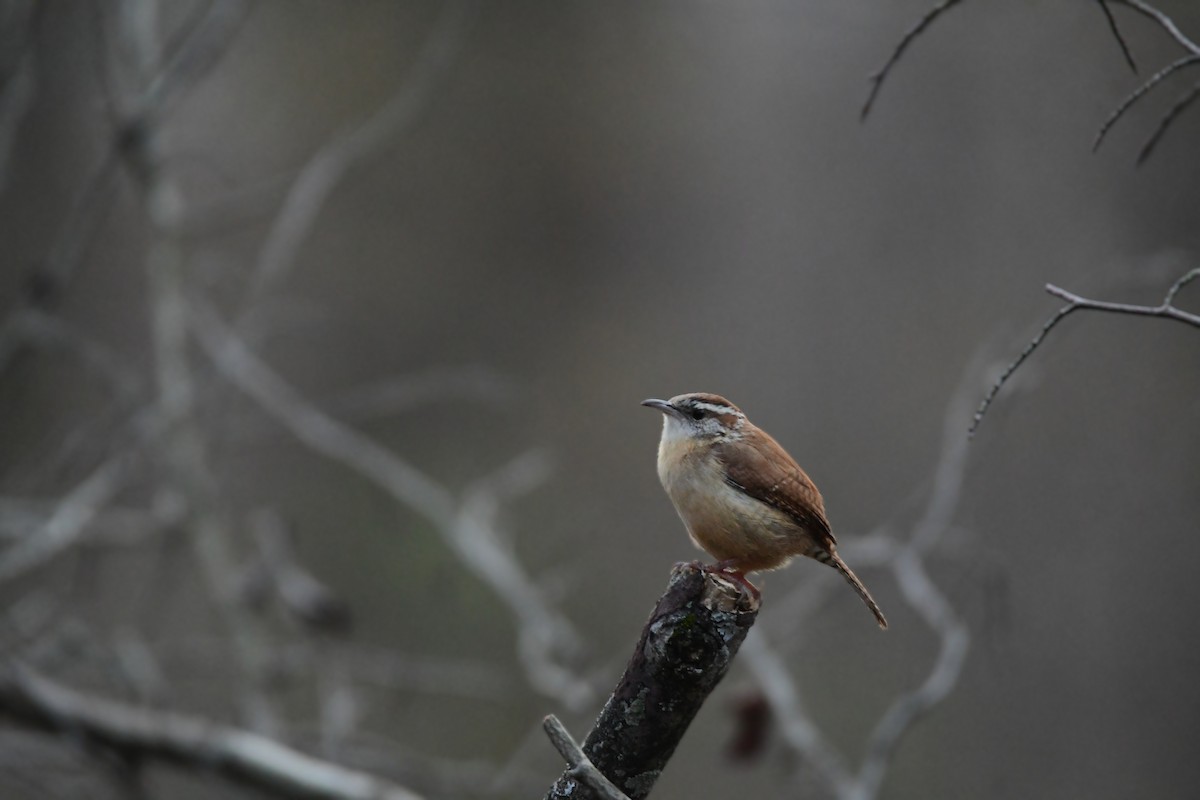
[{"x": 720, "y": 519}]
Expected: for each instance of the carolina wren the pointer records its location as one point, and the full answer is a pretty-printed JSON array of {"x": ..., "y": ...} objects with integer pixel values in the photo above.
[{"x": 743, "y": 499}]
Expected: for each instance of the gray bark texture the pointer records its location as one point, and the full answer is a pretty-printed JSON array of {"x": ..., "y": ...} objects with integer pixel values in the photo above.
[{"x": 684, "y": 651}]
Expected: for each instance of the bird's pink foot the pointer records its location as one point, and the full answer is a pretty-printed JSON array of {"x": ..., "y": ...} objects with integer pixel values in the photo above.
[{"x": 729, "y": 568}]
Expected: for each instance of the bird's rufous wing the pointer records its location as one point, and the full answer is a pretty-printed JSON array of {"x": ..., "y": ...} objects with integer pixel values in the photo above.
[{"x": 764, "y": 471}]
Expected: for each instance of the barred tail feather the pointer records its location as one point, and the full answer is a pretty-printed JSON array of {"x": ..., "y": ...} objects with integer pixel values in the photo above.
[{"x": 835, "y": 561}]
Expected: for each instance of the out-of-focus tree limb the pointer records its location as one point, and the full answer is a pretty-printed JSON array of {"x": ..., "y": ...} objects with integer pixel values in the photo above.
[
  {"x": 139, "y": 734},
  {"x": 69, "y": 522},
  {"x": 685, "y": 649},
  {"x": 544, "y": 634},
  {"x": 325, "y": 170}
]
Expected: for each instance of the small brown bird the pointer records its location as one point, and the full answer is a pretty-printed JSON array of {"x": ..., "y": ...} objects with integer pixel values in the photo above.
[{"x": 744, "y": 500}]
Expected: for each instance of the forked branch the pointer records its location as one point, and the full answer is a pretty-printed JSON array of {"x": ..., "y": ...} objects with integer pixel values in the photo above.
[
  {"x": 1166, "y": 309},
  {"x": 1190, "y": 58}
]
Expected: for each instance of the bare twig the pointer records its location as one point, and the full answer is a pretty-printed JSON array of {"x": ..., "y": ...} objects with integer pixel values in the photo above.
[
  {"x": 580, "y": 767},
  {"x": 1116, "y": 32},
  {"x": 34, "y": 327},
  {"x": 329, "y": 165},
  {"x": 926, "y": 598},
  {"x": 16, "y": 98},
  {"x": 1141, "y": 92},
  {"x": 543, "y": 632},
  {"x": 306, "y": 599},
  {"x": 1180, "y": 106},
  {"x": 1164, "y": 21},
  {"x": 799, "y": 731},
  {"x": 46, "y": 281},
  {"x": 1166, "y": 309},
  {"x": 69, "y": 521},
  {"x": 954, "y": 639},
  {"x": 193, "y": 53},
  {"x": 1034, "y": 343},
  {"x": 1192, "y": 57},
  {"x": 139, "y": 733},
  {"x": 878, "y": 77}
]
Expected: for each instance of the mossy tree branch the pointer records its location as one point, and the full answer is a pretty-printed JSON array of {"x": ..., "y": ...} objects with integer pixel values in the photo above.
[{"x": 685, "y": 649}]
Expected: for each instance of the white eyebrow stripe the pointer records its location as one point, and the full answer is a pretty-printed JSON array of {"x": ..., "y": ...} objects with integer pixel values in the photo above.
[{"x": 716, "y": 409}]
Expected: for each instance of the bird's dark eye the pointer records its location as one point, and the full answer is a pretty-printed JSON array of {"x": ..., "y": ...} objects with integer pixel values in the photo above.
[{"x": 697, "y": 414}]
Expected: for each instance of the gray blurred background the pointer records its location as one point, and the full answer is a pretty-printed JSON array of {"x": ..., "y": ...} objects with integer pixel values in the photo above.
[{"x": 579, "y": 206}]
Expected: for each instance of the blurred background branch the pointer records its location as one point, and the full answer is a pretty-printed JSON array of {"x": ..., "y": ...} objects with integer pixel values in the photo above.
[{"x": 137, "y": 734}]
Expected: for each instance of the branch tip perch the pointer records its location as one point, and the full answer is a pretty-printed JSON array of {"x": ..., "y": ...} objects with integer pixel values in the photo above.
[{"x": 685, "y": 649}]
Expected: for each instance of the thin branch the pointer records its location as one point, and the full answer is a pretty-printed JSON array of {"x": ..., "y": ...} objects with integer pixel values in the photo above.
[
  {"x": 47, "y": 279},
  {"x": 69, "y": 521},
  {"x": 1164, "y": 21},
  {"x": 1193, "y": 56},
  {"x": 1141, "y": 92},
  {"x": 799, "y": 730},
  {"x": 1180, "y": 106},
  {"x": 33, "y": 327},
  {"x": 929, "y": 601},
  {"x": 16, "y": 98},
  {"x": 1120, "y": 37},
  {"x": 1034, "y": 343},
  {"x": 279, "y": 574},
  {"x": 924, "y": 596},
  {"x": 909, "y": 37},
  {"x": 140, "y": 733},
  {"x": 1178, "y": 285},
  {"x": 1166, "y": 310},
  {"x": 581, "y": 768},
  {"x": 195, "y": 51},
  {"x": 328, "y": 166},
  {"x": 543, "y": 632}
]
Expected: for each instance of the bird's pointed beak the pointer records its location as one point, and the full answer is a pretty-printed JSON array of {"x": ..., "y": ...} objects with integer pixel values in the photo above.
[{"x": 662, "y": 405}]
